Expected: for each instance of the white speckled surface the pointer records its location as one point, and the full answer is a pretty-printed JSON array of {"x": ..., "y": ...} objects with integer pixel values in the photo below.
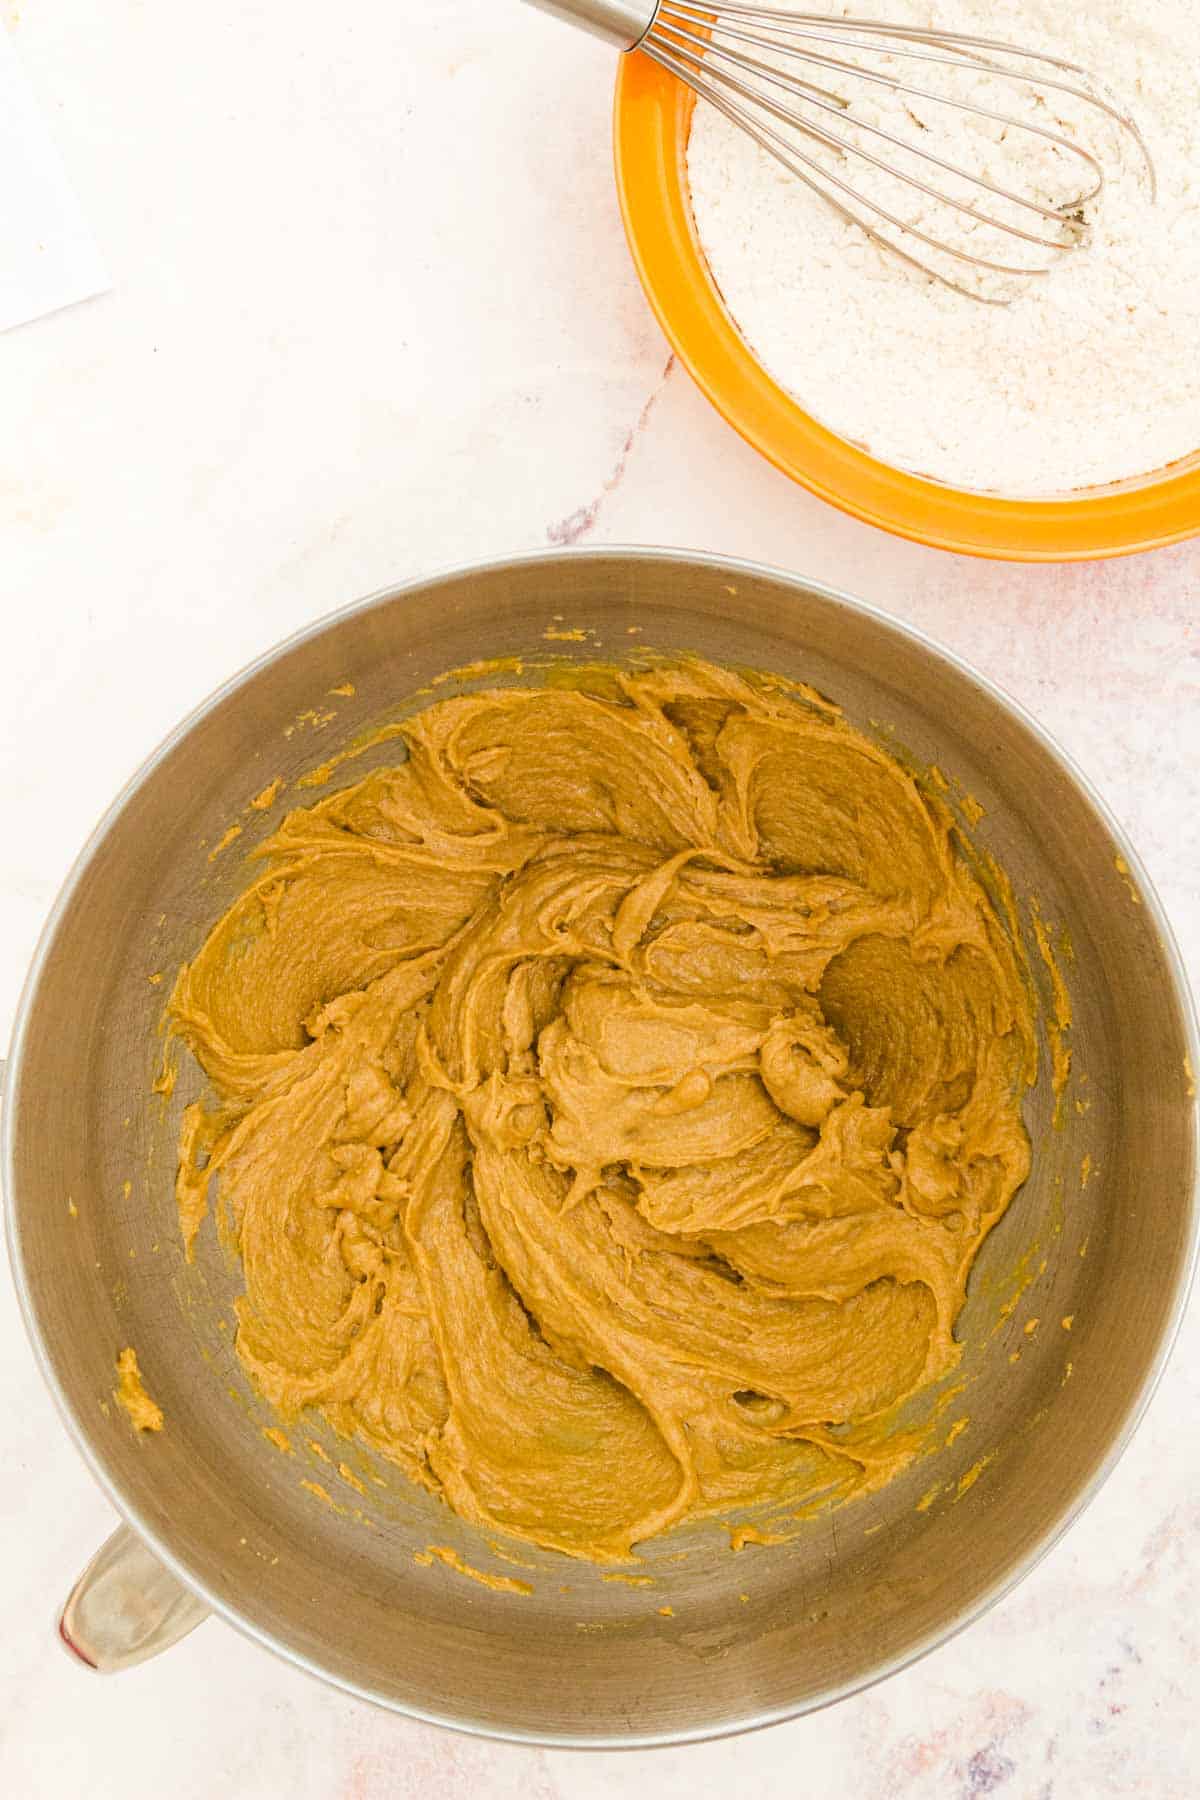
[{"x": 373, "y": 314}]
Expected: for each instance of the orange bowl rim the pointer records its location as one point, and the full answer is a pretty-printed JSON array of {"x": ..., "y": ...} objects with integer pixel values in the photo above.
[{"x": 652, "y": 113}]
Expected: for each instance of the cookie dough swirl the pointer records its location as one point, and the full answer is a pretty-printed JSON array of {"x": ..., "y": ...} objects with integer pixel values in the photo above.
[{"x": 608, "y": 1103}]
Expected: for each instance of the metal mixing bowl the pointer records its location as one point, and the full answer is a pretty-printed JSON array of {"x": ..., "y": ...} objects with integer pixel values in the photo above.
[{"x": 752, "y": 1637}]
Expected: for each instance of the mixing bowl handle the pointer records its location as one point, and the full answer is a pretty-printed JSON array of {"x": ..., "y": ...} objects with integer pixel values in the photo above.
[{"x": 126, "y": 1607}]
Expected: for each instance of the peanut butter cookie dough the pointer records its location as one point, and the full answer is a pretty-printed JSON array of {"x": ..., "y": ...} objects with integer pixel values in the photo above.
[
  {"x": 608, "y": 1104},
  {"x": 143, "y": 1413}
]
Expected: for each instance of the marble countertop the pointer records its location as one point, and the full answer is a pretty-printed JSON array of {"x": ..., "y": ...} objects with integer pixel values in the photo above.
[{"x": 373, "y": 314}]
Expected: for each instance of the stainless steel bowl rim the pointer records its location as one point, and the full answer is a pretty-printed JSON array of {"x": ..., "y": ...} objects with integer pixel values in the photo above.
[{"x": 161, "y": 1546}]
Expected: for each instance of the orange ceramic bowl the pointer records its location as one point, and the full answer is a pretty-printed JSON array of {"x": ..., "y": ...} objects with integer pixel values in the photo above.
[{"x": 653, "y": 120}]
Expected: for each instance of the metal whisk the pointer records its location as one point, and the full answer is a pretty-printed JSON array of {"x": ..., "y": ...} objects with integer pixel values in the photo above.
[{"x": 766, "y": 67}]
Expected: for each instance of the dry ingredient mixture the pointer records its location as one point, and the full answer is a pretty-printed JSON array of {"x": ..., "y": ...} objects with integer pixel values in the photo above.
[
  {"x": 608, "y": 1103},
  {"x": 1091, "y": 374}
]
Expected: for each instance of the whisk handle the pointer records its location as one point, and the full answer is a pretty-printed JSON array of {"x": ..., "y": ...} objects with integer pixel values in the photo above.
[{"x": 622, "y": 22}]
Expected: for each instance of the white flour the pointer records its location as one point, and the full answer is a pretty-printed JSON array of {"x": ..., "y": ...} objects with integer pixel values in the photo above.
[{"x": 1092, "y": 374}]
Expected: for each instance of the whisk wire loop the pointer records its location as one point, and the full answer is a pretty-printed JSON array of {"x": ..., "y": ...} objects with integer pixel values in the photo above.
[
  {"x": 811, "y": 96},
  {"x": 814, "y": 175},
  {"x": 737, "y": 56}
]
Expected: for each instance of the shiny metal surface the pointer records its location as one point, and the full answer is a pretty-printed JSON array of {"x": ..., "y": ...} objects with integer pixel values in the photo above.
[
  {"x": 126, "y": 1607},
  {"x": 622, "y": 22},
  {"x": 582, "y": 1661}
]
